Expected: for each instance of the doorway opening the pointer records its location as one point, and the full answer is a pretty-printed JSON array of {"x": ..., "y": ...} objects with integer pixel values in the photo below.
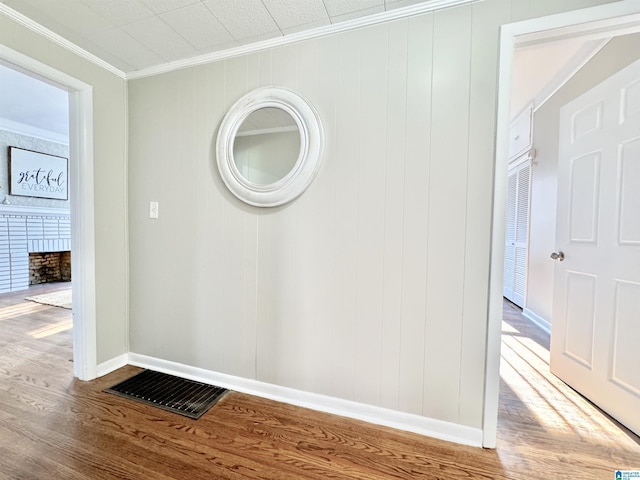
[
  {"x": 81, "y": 204},
  {"x": 594, "y": 23},
  {"x": 35, "y": 223}
]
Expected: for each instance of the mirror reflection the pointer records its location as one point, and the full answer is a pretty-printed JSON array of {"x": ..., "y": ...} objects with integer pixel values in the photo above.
[{"x": 266, "y": 146}]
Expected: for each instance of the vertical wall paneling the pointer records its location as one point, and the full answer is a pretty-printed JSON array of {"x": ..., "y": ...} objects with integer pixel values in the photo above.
[
  {"x": 203, "y": 274},
  {"x": 486, "y": 20},
  {"x": 284, "y": 68},
  {"x": 232, "y": 324},
  {"x": 540, "y": 8},
  {"x": 324, "y": 186},
  {"x": 279, "y": 345},
  {"x": 217, "y": 198},
  {"x": 110, "y": 207},
  {"x": 264, "y": 284},
  {"x": 519, "y": 10},
  {"x": 347, "y": 129},
  {"x": 176, "y": 209},
  {"x": 145, "y": 183},
  {"x": 371, "y": 286},
  {"x": 447, "y": 210},
  {"x": 371, "y": 227},
  {"x": 305, "y": 318},
  {"x": 282, "y": 348},
  {"x": 250, "y": 314},
  {"x": 395, "y": 157},
  {"x": 416, "y": 212}
]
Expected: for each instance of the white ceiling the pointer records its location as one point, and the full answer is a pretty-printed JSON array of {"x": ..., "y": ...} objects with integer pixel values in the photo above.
[
  {"x": 132, "y": 35},
  {"x": 33, "y": 107},
  {"x": 543, "y": 67}
]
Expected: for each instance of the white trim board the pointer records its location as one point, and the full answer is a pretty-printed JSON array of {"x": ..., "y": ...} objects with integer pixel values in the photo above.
[
  {"x": 537, "y": 320},
  {"x": 596, "y": 22},
  {"x": 8, "y": 209},
  {"x": 112, "y": 365},
  {"x": 447, "y": 431},
  {"x": 81, "y": 206}
]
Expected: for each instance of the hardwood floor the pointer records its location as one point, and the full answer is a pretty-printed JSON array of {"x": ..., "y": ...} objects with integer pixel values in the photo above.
[{"x": 55, "y": 427}]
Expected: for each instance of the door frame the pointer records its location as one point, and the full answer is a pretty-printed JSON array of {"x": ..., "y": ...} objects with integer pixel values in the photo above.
[
  {"x": 81, "y": 180},
  {"x": 596, "y": 22}
]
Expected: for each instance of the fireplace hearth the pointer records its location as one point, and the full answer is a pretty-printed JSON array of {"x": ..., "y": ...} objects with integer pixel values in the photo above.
[{"x": 48, "y": 267}]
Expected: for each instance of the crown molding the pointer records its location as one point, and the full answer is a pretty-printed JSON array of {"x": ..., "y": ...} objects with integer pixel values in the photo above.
[
  {"x": 34, "y": 132},
  {"x": 59, "y": 40},
  {"x": 399, "y": 13},
  {"x": 340, "y": 27}
]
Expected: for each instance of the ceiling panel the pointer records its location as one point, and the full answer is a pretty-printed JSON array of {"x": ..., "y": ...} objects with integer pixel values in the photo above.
[
  {"x": 118, "y": 12},
  {"x": 73, "y": 14},
  {"x": 245, "y": 19},
  {"x": 162, "y": 6},
  {"x": 131, "y": 54},
  {"x": 337, "y": 8},
  {"x": 198, "y": 26},
  {"x": 161, "y": 39},
  {"x": 289, "y": 14}
]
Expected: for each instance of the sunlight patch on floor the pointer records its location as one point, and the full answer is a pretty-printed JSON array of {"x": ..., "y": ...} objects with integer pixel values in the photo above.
[
  {"x": 51, "y": 329},
  {"x": 26, "y": 308},
  {"x": 556, "y": 407}
]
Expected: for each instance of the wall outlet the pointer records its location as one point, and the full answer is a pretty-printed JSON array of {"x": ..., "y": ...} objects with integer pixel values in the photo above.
[{"x": 153, "y": 209}]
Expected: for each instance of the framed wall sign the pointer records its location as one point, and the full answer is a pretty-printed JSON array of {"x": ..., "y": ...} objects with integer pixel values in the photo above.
[{"x": 34, "y": 174}]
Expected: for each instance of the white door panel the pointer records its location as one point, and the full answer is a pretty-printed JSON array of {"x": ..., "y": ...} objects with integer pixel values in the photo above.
[
  {"x": 629, "y": 198},
  {"x": 596, "y": 313},
  {"x": 580, "y": 317},
  {"x": 584, "y": 199}
]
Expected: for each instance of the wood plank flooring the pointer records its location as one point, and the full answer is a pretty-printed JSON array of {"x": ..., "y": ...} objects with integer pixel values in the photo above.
[{"x": 55, "y": 427}]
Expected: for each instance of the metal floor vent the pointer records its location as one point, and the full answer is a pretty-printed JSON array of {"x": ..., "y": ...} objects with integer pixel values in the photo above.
[{"x": 174, "y": 394}]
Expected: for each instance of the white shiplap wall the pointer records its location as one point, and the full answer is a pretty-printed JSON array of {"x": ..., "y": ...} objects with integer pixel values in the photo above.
[{"x": 372, "y": 286}]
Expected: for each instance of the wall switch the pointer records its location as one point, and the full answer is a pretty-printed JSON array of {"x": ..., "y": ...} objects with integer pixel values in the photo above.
[{"x": 153, "y": 209}]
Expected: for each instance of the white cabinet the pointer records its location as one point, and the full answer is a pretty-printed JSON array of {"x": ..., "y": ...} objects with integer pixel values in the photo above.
[{"x": 520, "y": 133}]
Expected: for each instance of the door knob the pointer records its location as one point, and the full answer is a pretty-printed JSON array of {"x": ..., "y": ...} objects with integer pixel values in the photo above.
[{"x": 558, "y": 256}]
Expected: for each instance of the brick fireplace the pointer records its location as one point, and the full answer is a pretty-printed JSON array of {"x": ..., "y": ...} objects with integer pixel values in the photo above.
[
  {"x": 38, "y": 235},
  {"x": 47, "y": 267}
]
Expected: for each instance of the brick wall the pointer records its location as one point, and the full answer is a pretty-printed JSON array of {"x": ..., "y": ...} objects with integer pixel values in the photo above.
[{"x": 47, "y": 267}]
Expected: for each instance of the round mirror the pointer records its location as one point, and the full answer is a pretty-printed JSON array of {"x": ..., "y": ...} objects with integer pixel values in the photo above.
[
  {"x": 269, "y": 147},
  {"x": 266, "y": 146}
]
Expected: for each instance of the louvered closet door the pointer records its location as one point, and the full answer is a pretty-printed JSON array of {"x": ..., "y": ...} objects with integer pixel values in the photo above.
[{"x": 517, "y": 233}]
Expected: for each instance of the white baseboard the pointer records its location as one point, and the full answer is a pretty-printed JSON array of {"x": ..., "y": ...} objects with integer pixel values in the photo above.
[
  {"x": 112, "y": 365},
  {"x": 537, "y": 320},
  {"x": 451, "y": 432}
]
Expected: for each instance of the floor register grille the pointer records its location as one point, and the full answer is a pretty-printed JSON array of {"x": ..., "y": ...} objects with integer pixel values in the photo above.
[{"x": 168, "y": 392}]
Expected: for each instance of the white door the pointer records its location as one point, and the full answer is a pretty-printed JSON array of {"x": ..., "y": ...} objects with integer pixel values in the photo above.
[
  {"x": 516, "y": 241},
  {"x": 595, "y": 335}
]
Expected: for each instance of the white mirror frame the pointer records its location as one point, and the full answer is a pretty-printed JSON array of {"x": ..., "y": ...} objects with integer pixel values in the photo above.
[{"x": 304, "y": 170}]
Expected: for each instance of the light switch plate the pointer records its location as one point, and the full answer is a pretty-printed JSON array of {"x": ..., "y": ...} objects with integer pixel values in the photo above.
[{"x": 153, "y": 209}]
